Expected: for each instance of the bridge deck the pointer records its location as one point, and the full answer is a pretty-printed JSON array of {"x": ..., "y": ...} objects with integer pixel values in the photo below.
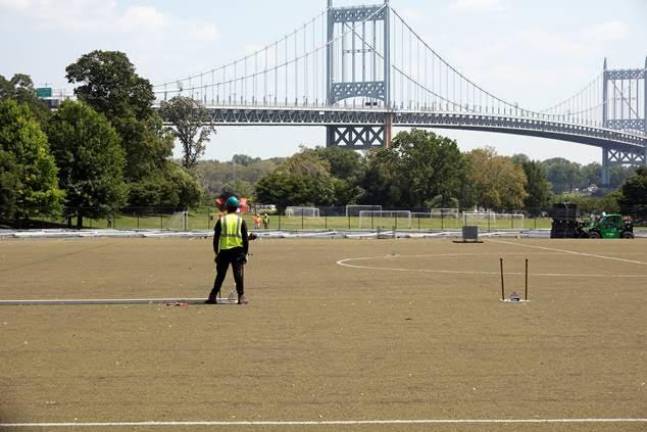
[{"x": 326, "y": 116}]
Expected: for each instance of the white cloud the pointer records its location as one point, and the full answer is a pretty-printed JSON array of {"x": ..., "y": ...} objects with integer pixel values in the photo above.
[
  {"x": 138, "y": 18},
  {"x": 15, "y": 4},
  {"x": 68, "y": 16},
  {"x": 411, "y": 14},
  {"x": 609, "y": 31},
  {"x": 476, "y": 5},
  {"x": 555, "y": 43},
  {"x": 203, "y": 32},
  {"x": 101, "y": 17},
  {"x": 581, "y": 43}
]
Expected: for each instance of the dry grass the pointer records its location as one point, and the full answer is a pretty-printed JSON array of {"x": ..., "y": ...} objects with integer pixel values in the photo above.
[{"x": 416, "y": 332}]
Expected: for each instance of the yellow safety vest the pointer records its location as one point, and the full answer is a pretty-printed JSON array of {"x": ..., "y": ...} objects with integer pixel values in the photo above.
[{"x": 231, "y": 235}]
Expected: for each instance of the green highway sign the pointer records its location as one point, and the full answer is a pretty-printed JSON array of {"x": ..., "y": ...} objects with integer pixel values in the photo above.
[{"x": 44, "y": 92}]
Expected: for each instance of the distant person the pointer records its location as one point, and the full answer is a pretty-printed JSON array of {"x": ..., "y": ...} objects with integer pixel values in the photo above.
[
  {"x": 230, "y": 244},
  {"x": 257, "y": 221},
  {"x": 266, "y": 221}
]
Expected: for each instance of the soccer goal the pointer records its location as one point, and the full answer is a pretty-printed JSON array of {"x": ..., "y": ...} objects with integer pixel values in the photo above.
[
  {"x": 178, "y": 221},
  {"x": 352, "y": 210},
  {"x": 302, "y": 211},
  {"x": 371, "y": 219},
  {"x": 483, "y": 219},
  {"x": 513, "y": 221},
  {"x": 445, "y": 213},
  {"x": 494, "y": 221}
]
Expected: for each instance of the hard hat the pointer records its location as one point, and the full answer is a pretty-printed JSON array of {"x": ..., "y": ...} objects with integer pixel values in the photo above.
[{"x": 232, "y": 202}]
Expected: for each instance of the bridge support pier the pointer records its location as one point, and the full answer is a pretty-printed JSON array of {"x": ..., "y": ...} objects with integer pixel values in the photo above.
[
  {"x": 613, "y": 156},
  {"x": 361, "y": 137},
  {"x": 605, "y": 167},
  {"x": 388, "y": 130},
  {"x": 355, "y": 137}
]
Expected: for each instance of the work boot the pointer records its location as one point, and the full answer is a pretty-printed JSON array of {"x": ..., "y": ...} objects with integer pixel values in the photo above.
[
  {"x": 242, "y": 300},
  {"x": 212, "y": 299}
]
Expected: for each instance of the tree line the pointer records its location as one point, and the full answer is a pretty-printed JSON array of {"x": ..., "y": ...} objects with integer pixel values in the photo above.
[
  {"x": 419, "y": 170},
  {"x": 110, "y": 151},
  {"x": 89, "y": 158},
  {"x": 425, "y": 170}
]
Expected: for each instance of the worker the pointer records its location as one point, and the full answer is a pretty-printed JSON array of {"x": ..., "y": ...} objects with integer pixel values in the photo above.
[
  {"x": 266, "y": 221},
  {"x": 257, "y": 221},
  {"x": 230, "y": 244}
]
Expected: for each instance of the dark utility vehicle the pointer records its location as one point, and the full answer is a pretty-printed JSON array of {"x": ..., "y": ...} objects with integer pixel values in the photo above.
[{"x": 568, "y": 224}]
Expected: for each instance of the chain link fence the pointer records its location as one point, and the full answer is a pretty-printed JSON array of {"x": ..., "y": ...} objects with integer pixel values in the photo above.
[{"x": 324, "y": 219}]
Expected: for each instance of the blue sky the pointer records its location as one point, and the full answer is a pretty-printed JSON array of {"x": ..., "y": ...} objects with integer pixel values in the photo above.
[{"x": 533, "y": 52}]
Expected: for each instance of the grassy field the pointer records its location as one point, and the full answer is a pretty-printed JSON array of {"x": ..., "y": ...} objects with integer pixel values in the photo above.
[{"x": 336, "y": 330}]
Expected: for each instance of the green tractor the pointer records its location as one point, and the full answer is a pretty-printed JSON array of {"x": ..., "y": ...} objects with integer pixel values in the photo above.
[
  {"x": 567, "y": 223},
  {"x": 611, "y": 226}
]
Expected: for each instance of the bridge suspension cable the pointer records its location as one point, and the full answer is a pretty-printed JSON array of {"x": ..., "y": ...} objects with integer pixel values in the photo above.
[
  {"x": 292, "y": 72},
  {"x": 446, "y": 88},
  {"x": 275, "y": 74},
  {"x": 584, "y": 107}
]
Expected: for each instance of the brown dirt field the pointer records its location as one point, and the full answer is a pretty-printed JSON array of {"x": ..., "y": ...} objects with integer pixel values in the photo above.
[{"x": 427, "y": 339}]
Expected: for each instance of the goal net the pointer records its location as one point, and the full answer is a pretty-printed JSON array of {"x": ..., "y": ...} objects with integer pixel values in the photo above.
[
  {"x": 302, "y": 211},
  {"x": 494, "y": 221},
  {"x": 445, "y": 213},
  {"x": 384, "y": 219},
  {"x": 479, "y": 218},
  {"x": 178, "y": 221},
  {"x": 512, "y": 221},
  {"x": 353, "y": 210}
]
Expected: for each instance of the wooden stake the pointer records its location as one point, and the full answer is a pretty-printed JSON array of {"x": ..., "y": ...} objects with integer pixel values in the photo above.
[
  {"x": 502, "y": 284},
  {"x": 526, "y": 290}
]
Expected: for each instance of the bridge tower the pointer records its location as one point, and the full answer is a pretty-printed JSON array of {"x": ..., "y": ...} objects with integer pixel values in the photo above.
[
  {"x": 624, "y": 94},
  {"x": 358, "y": 71}
]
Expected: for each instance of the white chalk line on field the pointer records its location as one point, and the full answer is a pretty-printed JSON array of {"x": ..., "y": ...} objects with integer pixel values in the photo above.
[
  {"x": 586, "y": 254},
  {"x": 324, "y": 422},
  {"x": 346, "y": 262},
  {"x": 133, "y": 301}
]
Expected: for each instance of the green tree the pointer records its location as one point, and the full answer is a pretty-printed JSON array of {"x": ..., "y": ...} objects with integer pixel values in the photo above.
[
  {"x": 244, "y": 160},
  {"x": 348, "y": 168},
  {"x": 169, "y": 190},
  {"x": 21, "y": 89},
  {"x": 496, "y": 181},
  {"x": 591, "y": 174},
  {"x": 538, "y": 187},
  {"x": 111, "y": 86},
  {"x": 191, "y": 126},
  {"x": 381, "y": 183},
  {"x": 520, "y": 158},
  {"x": 432, "y": 165},
  {"x": 90, "y": 161},
  {"x": 148, "y": 147},
  {"x": 215, "y": 175},
  {"x": 302, "y": 180},
  {"x": 344, "y": 164},
  {"x": 109, "y": 83},
  {"x": 28, "y": 173},
  {"x": 241, "y": 188},
  {"x": 618, "y": 175},
  {"x": 593, "y": 204},
  {"x": 564, "y": 175},
  {"x": 633, "y": 200},
  {"x": 419, "y": 166}
]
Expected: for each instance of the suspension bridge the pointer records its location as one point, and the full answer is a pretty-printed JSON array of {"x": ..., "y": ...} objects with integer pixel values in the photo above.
[{"x": 362, "y": 70}]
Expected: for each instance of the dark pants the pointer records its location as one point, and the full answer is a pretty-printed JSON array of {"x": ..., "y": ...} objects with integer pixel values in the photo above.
[{"x": 235, "y": 257}]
